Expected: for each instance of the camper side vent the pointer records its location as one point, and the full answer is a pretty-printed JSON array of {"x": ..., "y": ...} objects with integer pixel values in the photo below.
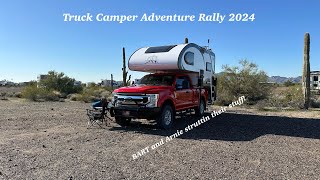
[
  {"x": 159, "y": 49},
  {"x": 189, "y": 58}
]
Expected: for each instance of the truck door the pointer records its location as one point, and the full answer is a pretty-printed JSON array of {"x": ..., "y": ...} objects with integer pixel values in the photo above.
[{"x": 184, "y": 94}]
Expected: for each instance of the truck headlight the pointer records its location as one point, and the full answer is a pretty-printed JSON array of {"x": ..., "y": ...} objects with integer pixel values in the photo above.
[
  {"x": 153, "y": 100},
  {"x": 114, "y": 97}
]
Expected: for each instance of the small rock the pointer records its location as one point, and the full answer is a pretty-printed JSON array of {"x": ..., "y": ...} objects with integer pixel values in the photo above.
[
  {"x": 71, "y": 149},
  {"x": 44, "y": 131},
  {"x": 10, "y": 159},
  {"x": 52, "y": 109},
  {"x": 43, "y": 146},
  {"x": 70, "y": 178},
  {"x": 0, "y": 173}
]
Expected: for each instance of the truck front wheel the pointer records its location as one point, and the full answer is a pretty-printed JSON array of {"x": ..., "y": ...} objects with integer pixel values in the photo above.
[
  {"x": 166, "y": 118},
  {"x": 122, "y": 121}
]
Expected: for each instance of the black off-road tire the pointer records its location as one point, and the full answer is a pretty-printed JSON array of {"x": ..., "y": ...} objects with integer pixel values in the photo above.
[
  {"x": 200, "y": 110},
  {"x": 166, "y": 118},
  {"x": 122, "y": 121}
]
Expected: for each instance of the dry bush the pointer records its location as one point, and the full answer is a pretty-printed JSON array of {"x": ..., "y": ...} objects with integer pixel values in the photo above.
[
  {"x": 90, "y": 94},
  {"x": 3, "y": 96},
  {"x": 315, "y": 101},
  {"x": 283, "y": 97}
]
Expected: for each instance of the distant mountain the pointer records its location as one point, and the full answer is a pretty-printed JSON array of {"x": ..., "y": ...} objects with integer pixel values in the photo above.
[
  {"x": 280, "y": 80},
  {"x": 277, "y": 79}
]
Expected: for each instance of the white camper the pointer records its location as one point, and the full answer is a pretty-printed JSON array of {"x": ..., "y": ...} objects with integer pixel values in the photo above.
[
  {"x": 315, "y": 80},
  {"x": 188, "y": 58}
]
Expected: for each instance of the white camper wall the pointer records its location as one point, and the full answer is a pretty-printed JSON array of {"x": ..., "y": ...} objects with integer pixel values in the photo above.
[
  {"x": 198, "y": 60},
  {"x": 152, "y": 62},
  {"x": 207, "y": 74}
]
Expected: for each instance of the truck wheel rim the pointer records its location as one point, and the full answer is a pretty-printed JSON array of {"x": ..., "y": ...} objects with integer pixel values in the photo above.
[{"x": 167, "y": 117}]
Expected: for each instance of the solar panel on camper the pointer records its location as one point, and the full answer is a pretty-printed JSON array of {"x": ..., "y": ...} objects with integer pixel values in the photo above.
[{"x": 159, "y": 49}]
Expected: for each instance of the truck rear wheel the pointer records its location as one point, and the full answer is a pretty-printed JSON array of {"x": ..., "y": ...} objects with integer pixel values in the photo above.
[
  {"x": 200, "y": 110},
  {"x": 166, "y": 118},
  {"x": 122, "y": 121}
]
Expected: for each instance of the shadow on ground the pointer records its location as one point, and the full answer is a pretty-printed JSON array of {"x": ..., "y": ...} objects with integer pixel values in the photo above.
[{"x": 234, "y": 127}]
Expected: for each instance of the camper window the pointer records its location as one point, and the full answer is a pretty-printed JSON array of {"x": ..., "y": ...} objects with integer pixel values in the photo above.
[
  {"x": 159, "y": 49},
  {"x": 315, "y": 78},
  {"x": 189, "y": 58},
  {"x": 208, "y": 67}
]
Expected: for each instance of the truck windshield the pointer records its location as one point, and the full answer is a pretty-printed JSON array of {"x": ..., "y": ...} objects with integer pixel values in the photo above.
[{"x": 157, "y": 79}]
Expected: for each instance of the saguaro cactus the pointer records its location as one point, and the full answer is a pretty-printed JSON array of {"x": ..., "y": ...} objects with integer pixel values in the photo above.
[
  {"x": 124, "y": 70},
  {"x": 112, "y": 81},
  {"x": 306, "y": 71}
]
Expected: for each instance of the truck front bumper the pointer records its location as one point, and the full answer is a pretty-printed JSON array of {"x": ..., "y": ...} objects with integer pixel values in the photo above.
[{"x": 136, "y": 112}]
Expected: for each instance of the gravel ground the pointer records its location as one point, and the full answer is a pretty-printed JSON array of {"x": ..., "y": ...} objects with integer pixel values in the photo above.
[
  {"x": 51, "y": 141},
  {"x": 10, "y": 89}
]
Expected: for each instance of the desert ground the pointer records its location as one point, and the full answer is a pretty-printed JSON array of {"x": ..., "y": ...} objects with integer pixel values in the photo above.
[{"x": 50, "y": 140}]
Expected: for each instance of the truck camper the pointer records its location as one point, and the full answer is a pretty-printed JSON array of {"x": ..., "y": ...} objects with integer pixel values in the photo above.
[{"x": 181, "y": 79}]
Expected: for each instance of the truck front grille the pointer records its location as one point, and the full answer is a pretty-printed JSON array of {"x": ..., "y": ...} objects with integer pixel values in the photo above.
[{"x": 127, "y": 99}]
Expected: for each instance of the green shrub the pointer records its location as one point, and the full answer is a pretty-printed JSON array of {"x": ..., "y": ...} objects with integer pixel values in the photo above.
[
  {"x": 288, "y": 83},
  {"x": 31, "y": 92},
  {"x": 34, "y": 93},
  {"x": 244, "y": 80},
  {"x": 59, "y": 82}
]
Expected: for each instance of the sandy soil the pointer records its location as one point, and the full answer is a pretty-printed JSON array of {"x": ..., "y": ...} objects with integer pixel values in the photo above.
[{"x": 51, "y": 141}]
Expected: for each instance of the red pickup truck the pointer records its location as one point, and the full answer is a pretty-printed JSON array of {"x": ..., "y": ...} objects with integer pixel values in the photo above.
[
  {"x": 177, "y": 75},
  {"x": 158, "y": 96}
]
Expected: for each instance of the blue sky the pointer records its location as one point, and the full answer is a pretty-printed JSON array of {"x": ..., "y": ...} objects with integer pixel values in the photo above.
[{"x": 34, "y": 38}]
